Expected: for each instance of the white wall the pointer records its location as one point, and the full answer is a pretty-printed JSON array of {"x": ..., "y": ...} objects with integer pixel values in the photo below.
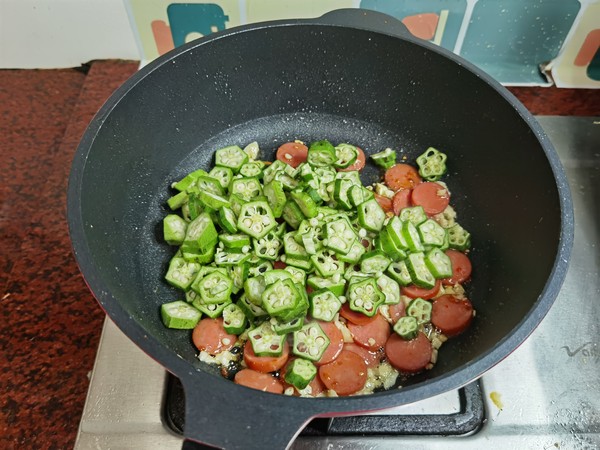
[{"x": 63, "y": 33}]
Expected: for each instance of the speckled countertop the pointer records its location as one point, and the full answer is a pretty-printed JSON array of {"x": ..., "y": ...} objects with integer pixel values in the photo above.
[{"x": 50, "y": 324}]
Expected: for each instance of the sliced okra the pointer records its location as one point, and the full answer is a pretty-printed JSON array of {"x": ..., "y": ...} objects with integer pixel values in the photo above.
[
  {"x": 390, "y": 289},
  {"x": 365, "y": 297},
  {"x": 234, "y": 319},
  {"x": 300, "y": 372},
  {"x": 223, "y": 175},
  {"x": 174, "y": 229},
  {"x": 419, "y": 309},
  {"x": 246, "y": 188},
  {"x": 256, "y": 219},
  {"x": 179, "y": 315},
  {"x": 310, "y": 342},
  {"x": 324, "y": 305},
  {"x": 265, "y": 341},
  {"x": 181, "y": 273},
  {"x": 268, "y": 246},
  {"x": 232, "y": 157}
]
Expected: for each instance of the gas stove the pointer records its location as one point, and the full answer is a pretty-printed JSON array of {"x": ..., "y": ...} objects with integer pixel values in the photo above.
[{"x": 545, "y": 395}]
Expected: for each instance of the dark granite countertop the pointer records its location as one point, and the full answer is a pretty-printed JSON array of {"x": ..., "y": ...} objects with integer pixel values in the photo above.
[{"x": 51, "y": 324}]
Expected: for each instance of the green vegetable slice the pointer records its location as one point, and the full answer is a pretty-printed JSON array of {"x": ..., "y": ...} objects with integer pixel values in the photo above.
[
  {"x": 179, "y": 315},
  {"x": 300, "y": 372},
  {"x": 256, "y": 219},
  {"x": 310, "y": 342},
  {"x": 432, "y": 164}
]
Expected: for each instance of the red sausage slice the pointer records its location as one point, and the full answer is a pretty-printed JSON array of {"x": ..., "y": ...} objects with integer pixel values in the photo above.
[
  {"x": 384, "y": 202},
  {"x": 370, "y": 358},
  {"x": 336, "y": 342},
  {"x": 396, "y": 311},
  {"x": 355, "y": 317},
  {"x": 451, "y": 315},
  {"x": 401, "y": 200},
  {"x": 265, "y": 363},
  {"x": 346, "y": 375},
  {"x": 402, "y": 176},
  {"x": 360, "y": 162},
  {"x": 258, "y": 380},
  {"x": 461, "y": 267},
  {"x": 413, "y": 291},
  {"x": 292, "y": 153},
  {"x": 433, "y": 197},
  {"x": 372, "y": 335},
  {"x": 210, "y": 336},
  {"x": 409, "y": 356}
]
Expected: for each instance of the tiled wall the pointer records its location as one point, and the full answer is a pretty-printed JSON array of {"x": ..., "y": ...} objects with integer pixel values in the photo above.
[{"x": 519, "y": 42}]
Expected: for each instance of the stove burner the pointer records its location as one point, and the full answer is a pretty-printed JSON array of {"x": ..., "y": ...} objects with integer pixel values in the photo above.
[{"x": 467, "y": 421}]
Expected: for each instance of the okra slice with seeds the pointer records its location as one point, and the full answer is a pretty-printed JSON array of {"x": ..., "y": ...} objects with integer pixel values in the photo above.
[
  {"x": 281, "y": 298},
  {"x": 371, "y": 216},
  {"x": 181, "y": 273},
  {"x": 310, "y": 342},
  {"x": 252, "y": 311},
  {"x": 399, "y": 271},
  {"x": 223, "y": 175},
  {"x": 321, "y": 153},
  {"x": 212, "y": 310},
  {"x": 268, "y": 246},
  {"x": 227, "y": 258},
  {"x": 420, "y": 309},
  {"x": 234, "y": 319},
  {"x": 414, "y": 214},
  {"x": 292, "y": 248},
  {"x": 374, "y": 262},
  {"x": 357, "y": 250},
  {"x": 432, "y": 164},
  {"x": 201, "y": 234},
  {"x": 247, "y": 188},
  {"x": 326, "y": 264},
  {"x": 215, "y": 288},
  {"x": 407, "y": 327},
  {"x": 252, "y": 169},
  {"x": 232, "y": 157},
  {"x": 438, "y": 263},
  {"x": 419, "y": 272},
  {"x": 389, "y": 247},
  {"x": 324, "y": 305},
  {"x": 300, "y": 372},
  {"x": 432, "y": 233},
  {"x": 459, "y": 238},
  {"x": 365, "y": 297},
  {"x": 179, "y": 315},
  {"x": 256, "y": 219},
  {"x": 265, "y": 341},
  {"x": 254, "y": 288},
  {"x": 390, "y": 289},
  {"x": 340, "y": 236},
  {"x": 205, "y": 183},
  {"x": 341, "y": 188},
  {"x": 345, "y": 155},
  {"x": 298, "y": 275},
  {"x": 252, "y": 150}
]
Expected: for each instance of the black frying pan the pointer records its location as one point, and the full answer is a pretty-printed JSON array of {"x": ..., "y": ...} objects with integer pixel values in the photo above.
[{"x": 335, "y": 78}]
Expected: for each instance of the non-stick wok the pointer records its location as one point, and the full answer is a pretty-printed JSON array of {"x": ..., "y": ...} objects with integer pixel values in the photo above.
[{"x": 350, "y": 76}]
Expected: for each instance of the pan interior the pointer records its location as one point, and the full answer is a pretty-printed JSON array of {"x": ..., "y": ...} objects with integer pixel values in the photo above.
[{"x": 380, "y": 92}]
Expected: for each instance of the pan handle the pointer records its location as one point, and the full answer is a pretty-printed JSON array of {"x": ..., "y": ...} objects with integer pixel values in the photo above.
[
  {"x": 364, "y": 19},
  {"x": 244, "y": 419}
]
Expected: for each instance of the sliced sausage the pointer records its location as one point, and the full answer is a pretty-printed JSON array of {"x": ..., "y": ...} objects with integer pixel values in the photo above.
[
  {"x": 409, "y": 356},
  {"x": 451, "y": 315},
  {"x": 345, "y": 375}
]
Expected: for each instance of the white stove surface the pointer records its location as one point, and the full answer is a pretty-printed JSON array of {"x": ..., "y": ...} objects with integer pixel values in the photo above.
[{"x": 545, "y": 395}]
